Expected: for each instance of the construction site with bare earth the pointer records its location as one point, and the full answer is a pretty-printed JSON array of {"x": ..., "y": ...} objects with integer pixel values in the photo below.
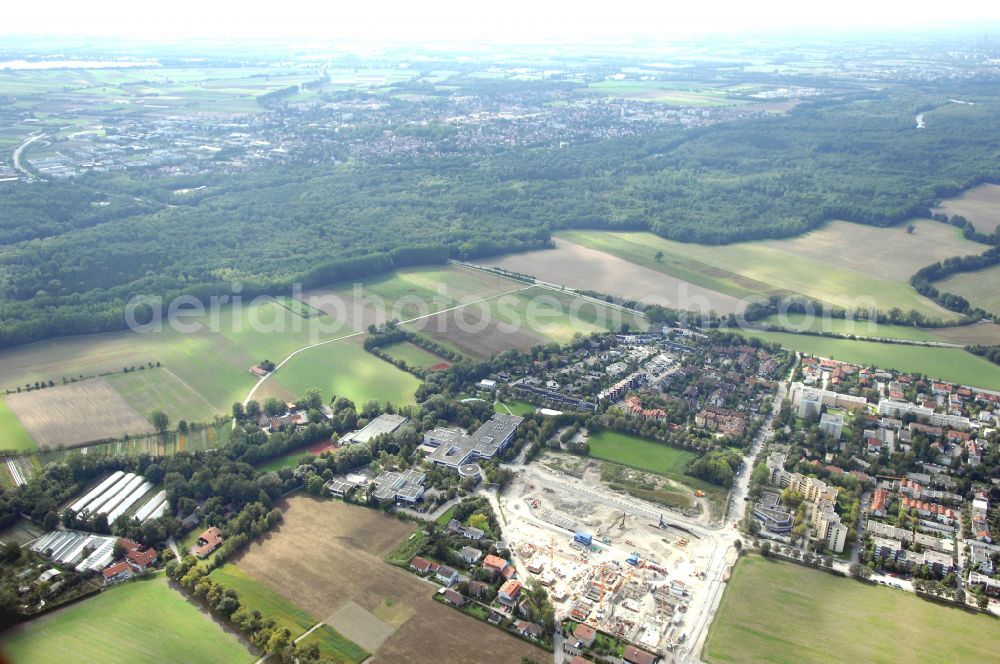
[{"x": 633, "y": 570}]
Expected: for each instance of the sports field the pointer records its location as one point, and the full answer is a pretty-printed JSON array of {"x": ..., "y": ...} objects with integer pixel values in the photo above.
[
  {"x": 140, "y": 621},
  {"x": 951, "y": 364},
  {"x": 644, "y": 454},
  {"x": 981, "y": 288},
  {"x": 259, "y": 597},
  {"x": 843, "y": 264},
  {"x": 328, "y": 559},
  {"x": 777, "y": 612},
  {"x": 13, "y": 436}
]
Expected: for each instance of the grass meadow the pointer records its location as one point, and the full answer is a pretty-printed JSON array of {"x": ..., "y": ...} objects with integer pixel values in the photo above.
[
  {"x": 779, "y": 613},
  {"x": 644, "y": 454},
  {"x": 951, "y": 364},
  {"x": 13, "y": 436},
  {"x": 140, "y": 621}
]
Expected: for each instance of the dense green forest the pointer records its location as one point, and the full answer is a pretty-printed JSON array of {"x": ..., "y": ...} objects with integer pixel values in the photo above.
[{"x": 73, "y": 252}]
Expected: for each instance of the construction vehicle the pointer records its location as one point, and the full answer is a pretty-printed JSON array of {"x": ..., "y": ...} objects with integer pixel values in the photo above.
[{"x": 633, "y": 559}]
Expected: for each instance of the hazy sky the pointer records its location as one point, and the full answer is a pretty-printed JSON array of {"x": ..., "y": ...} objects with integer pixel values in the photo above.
[{"x": 504, "y": 20}]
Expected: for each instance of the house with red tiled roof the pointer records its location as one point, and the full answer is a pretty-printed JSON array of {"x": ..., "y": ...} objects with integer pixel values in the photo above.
[
  {"x": 509, "y": 592},
  {"x": 141, "y": 560},
  {"x": 208, "y": 541},
  {"x": 585, "y": 635},
  {"x": 422, "y": 565},
  {"x": 118, "y": 572}
]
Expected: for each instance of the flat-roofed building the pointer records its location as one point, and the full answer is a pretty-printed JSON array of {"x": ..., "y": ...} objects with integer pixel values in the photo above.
[
  {"x": 454, "y": 448},
  {"x": 384, "y": 423}
]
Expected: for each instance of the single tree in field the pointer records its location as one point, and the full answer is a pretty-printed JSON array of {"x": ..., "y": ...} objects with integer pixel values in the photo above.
[
  {"x": 159, "y": 420},
  {"x": 658, "y": 257},
  {"x": 910, "y": 228}
]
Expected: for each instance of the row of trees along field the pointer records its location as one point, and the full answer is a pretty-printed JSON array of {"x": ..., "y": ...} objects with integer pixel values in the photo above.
[{"x": 68, "y": 265}]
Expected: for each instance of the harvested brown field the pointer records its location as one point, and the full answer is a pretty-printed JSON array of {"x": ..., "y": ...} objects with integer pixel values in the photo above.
[
  {"x": 327, "y": 555},
  {"x": 884, "y": 253},
  {"x": 980, "y": 205},
  {"x": 475, "y": 332},
  {"x": 77, "y": 413},
  {"x": 583, "y": 268},
  {"x": 983, "y": 333}
]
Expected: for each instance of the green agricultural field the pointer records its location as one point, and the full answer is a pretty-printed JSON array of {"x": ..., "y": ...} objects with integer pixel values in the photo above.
[
  {"x": 12, "y": 435},
  {"x": 140, "y": 621},
  {"x": 344, "y": 368},
  {"x": 272, "y": 605},
  {"x": 981, "y": 288},
  {"x": 670, "y": 462},
  {"x": 840, "y": 264},
  {"x": 860, "y": 328},
  {"x": 159, "y": 388},
  {"x": 778, "y": 612},
  {"x": 951, "y": 364},
  {"x": 205, "y": 371},
  {"x": 414, "y": 355}
]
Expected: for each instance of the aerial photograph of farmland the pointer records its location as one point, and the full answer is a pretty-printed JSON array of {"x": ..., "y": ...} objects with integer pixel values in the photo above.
[{"x": 451, "y": 333}]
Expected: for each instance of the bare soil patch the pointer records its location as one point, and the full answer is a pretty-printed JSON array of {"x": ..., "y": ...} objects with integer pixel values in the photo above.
[
  {"x": 327, "y": 554},
  {"x": 475, "y": 332},
  {"x": 77, "y": 413},
  {"x": 360, "y": 626},
  {"x": 980, "y": 205},
  {"x": 580, "y": 267}
]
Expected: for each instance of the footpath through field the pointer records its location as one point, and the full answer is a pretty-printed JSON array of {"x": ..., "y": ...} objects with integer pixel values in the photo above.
[{"x": 295, "y": 352}]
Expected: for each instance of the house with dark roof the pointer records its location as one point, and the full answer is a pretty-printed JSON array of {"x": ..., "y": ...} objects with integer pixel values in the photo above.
[
  {"x": 454, "y": 597},
  {"x": 446, "y": 575},
  {"x": 528, "y": 629},
  {"x": 633, "y": 655},
  {"x": 470, "y": 555}
]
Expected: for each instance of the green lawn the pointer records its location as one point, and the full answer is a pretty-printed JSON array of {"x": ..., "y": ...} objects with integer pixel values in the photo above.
[
  {"x": 951, "y": 364},
  {"x": 779, "y": 612},
  {"x": 12, "y": 435},
  {"x": 644, "y": 454},
  {"x": 832, "y": 264},
  {"x": 408, "y": 548},
  {"x": 287, "y": 615},
  {"x": 860, "y": 328},
  {"x": 344, "y": 368},
  {"x": 515, "y": 407},
  {"x": 140, "y": 621}
]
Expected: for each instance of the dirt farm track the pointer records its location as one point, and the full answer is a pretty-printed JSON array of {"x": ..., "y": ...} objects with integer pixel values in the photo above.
[{"x": 327, "y": 557}]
